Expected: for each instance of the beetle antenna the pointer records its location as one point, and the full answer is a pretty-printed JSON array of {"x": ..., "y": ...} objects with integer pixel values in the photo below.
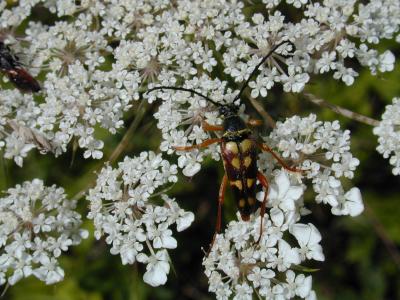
[
  {"x": 259, "y": 65},
  {"x": 185, "y": 90}
]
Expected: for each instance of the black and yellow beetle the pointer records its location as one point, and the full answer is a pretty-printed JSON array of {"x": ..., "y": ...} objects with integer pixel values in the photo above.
[{"x": 239, "y": 153}]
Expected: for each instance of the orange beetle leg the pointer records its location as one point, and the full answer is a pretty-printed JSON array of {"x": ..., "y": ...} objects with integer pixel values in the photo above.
[
  {"x": 204, "y": 144},
  {"x": 264, "y": 182},
  {"x": 266, "y": 148},
  {"x": 221, "y": 197},
  {"x": 209, "y": 127}
]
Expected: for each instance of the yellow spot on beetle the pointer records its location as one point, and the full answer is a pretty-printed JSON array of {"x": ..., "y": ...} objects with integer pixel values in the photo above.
[
  {"x": 245, "y": 145},
  {"x": 235, "y": 163},
  {"x": 251, "y": 201},
  {"x": 250, "y": 182},
  {"x": 247, "y": 161},
  {"x": 232, "y": 147},
  {"x": 237, "y": 183},
  {"x": 242, "y": 203}
]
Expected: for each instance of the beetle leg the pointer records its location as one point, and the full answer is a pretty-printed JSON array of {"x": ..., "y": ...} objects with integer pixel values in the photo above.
[
  {"x": 221, "y": 196},
  {"x": 254, "y": 122},
  {"x": 204, "y": 144},
  {"x": 264, "y": 182},
  {"x": 266, "y": 148},
  {"x": 209, "y": 127}
]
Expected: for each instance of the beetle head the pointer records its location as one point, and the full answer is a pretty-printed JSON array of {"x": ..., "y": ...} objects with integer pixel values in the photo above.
[{"x": 228, "y": 110}]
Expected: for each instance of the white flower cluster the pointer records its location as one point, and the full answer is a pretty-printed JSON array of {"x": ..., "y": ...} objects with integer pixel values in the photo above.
[
  {"x": 323, "y": 42},
  {"x": 97, "y": 61},
  {"x": 322, "y": 151},
  {"x": 37, "y": 224},
  {"x": 181, "y": 109},
  {"x": 388, "y": 132},
  {"x": 133, "y": 217},
  {"x": 238, "y": 267}
]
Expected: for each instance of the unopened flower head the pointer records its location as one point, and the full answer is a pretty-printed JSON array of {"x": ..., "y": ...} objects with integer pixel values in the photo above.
[
  {"x": 123, "y": 206},
  {"x": 37, "y": 224}
]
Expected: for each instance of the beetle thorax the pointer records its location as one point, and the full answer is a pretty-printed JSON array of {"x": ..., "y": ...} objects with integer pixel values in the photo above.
[{"x": 235, "y": 128}]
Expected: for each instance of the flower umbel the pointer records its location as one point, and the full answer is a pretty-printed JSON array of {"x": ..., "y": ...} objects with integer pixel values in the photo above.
[
  {"x": 37, "y": 224},
  {"x": 239, "y": 266},
  {"x": 123, "y": 206},
  {"x": 322, "y": 150}
]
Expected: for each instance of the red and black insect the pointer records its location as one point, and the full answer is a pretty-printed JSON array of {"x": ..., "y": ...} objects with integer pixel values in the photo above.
[
  {"x": 10, "y": 65},
  {"x": 239, "y": 151}
]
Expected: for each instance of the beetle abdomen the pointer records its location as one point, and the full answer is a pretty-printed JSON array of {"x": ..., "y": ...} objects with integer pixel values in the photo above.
[{"x": 240, "y": 162}]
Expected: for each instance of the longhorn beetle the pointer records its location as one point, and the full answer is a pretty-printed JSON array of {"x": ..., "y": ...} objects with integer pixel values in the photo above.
[
  {"x": 239, "y": 152},
  {"x": 10, "y": 65}
]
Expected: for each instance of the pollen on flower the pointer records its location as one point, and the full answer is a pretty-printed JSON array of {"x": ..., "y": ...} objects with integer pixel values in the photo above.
[
  {"x": 68, "y": 56},
  {"x": 151, "y": 70}
]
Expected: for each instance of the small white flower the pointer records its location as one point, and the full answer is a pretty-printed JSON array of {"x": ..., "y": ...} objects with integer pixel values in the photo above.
[
  {"x": 294, "y": 82},
  {"x": 350, "y": 204},
  {"x": 386, "y": 60},
  {"x": 346, "y": 74},
  {"x": 308, "y": 237},
  {"x": 157, "y": 268},
  {"x": 282, "y": 194},
  {"x": 286, "y": 257},
  {"x": 49, "y": 272},
  {"x": 300, "y": 285},
  {"x": 189, "y": 164},
  {"x": 326, "y": 62}
]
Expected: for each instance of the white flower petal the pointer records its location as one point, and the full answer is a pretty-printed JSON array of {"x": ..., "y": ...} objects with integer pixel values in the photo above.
[
  {"x": 305, "y": 234},
  {"x": 185, "y": 221},
  {"x": 169, "y": 242},
  {"x": 354, "y": 204},
  {"x": 277, "y": 216},
  {"x": 283, "y": 183},
  {"x": 155, "y": 277},
  {"x": 304, "y": 288}
]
